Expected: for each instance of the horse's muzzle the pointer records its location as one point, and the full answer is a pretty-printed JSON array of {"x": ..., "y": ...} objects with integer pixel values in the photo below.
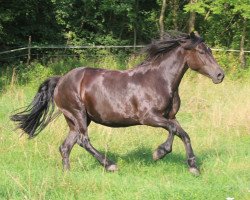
[{"x": 218, "y": 78}]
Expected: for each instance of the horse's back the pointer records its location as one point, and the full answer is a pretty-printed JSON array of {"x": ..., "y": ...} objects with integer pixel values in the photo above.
[{"x": 72, "y": 80}]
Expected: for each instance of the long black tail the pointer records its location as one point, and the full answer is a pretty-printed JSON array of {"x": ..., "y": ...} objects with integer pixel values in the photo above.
[{"x": 36, "y": 116}]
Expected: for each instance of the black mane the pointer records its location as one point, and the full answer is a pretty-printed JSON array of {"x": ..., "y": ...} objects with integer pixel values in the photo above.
[{"x": 171, "y": 40}]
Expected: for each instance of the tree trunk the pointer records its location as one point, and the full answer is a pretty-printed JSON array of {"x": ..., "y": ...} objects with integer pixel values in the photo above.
[
  {"x": 135, "y": 27},
  {"x": 29, "y": 51},
  {"x": 243, "y": 36},
  {"x": 191, "y": 21},
  {"x": 162, "y": 16},
  {"x": 175, "y": 14}
]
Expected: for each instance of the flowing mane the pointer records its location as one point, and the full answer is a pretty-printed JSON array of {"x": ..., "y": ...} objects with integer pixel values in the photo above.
[{"x": 170, "y": 41}]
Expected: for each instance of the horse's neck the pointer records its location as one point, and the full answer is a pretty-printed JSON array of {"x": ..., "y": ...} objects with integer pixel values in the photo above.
[
  {"x": 173, "y": 67},
  {"x": 170, "y": 69}
]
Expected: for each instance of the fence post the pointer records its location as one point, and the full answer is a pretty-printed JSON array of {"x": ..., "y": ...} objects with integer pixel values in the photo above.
[{"x": 29, "y": 51}]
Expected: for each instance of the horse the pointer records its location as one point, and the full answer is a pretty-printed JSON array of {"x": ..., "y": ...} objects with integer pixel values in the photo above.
[{"x": 144, "y": 95}]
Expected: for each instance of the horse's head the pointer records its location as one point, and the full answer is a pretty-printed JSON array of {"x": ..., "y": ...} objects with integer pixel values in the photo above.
[{"x": 199, "y": 58}]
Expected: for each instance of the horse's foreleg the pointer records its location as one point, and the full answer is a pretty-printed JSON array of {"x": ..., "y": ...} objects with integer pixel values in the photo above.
[
  {"x": 173, "y": 127},
  {"x": 191, "y": 160},
  {"x": 164, "y": 148},
  {"x": 160, "y": 121}
]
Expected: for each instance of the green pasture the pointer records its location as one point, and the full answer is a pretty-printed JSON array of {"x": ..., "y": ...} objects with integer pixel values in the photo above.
[{"x": 217, "y": 118}]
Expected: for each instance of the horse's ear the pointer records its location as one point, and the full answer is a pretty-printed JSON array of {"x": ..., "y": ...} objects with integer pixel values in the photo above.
[
  {"x": 192, "y": 40},
  {"x": 194, "y": 35}
]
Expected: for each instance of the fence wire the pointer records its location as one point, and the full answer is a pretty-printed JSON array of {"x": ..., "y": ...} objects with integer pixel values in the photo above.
[{"x": 60, "y": 51}]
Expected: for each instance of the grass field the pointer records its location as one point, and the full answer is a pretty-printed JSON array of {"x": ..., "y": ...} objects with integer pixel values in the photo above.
[{"x": 217, "y": 118}]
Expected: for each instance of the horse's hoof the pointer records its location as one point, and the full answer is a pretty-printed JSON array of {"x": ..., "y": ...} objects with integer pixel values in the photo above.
[
  {"x": 112, "y": 168},
  {"x": 159, "y": 154},
  {"x": 194, "y": 171}
]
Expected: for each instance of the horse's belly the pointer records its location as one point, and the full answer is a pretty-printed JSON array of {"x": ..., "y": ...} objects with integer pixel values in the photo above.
[
  {"x": 113, "y": 116},
  {"x": 116, "y": 123}
]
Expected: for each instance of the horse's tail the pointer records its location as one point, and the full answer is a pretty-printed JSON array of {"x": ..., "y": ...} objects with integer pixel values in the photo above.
[{"x": 37, "y": 115}]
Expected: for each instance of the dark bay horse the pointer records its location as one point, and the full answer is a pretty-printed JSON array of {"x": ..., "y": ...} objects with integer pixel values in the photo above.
[{"x": 144, "y": 95}]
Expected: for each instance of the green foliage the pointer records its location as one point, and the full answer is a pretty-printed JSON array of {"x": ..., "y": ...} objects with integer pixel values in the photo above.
[
  {"x": 115, "y": 22},
  {"x": 241, "y": 7},
  {"x": 111, "y": 22},
  {"x": 220, "y": 21},
  {"x": 199, "y": 6},
  {"x": 19, "y": 19}
]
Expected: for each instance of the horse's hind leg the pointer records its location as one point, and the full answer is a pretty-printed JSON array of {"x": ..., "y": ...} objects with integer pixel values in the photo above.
[
  {"x": 84, "y": 142},
  {"x": 78, "y": 122},
  {"x": 69, "y": 142},
  {"x": 66, "y": 147}
]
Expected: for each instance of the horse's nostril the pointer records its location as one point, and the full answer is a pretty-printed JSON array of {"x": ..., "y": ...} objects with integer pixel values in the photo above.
[{"x": 220, "y": 76}]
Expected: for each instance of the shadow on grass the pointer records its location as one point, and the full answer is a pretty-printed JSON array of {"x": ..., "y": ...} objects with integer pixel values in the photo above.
[{"x": 143, "y": 156}]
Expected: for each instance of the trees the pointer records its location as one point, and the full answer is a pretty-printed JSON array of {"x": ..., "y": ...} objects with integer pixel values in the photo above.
[
  {"x": 240, "y": 14},
  {"x": 227, "y": 21},
  {"x": 19, "y": 19},
  {"x": 223, "y": 23}
]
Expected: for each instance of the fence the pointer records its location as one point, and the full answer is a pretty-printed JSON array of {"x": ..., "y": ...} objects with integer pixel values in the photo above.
[{"x": 38, "y": 52}]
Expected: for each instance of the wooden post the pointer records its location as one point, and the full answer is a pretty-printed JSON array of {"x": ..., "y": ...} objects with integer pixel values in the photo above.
[
  {"x": 135, "y": 35},
  {"x": 134, "y": 23},
  {"x": 192, "y": 17},
  {"x": 29, "y": 51},
  {"x": 162, "y": 16},
  {"x": 242, "y": 43},
  {"x": 175, "y": 14}
]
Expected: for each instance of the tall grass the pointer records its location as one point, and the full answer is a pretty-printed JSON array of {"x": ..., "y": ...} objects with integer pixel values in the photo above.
[{"x": 215, "y": 116}]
